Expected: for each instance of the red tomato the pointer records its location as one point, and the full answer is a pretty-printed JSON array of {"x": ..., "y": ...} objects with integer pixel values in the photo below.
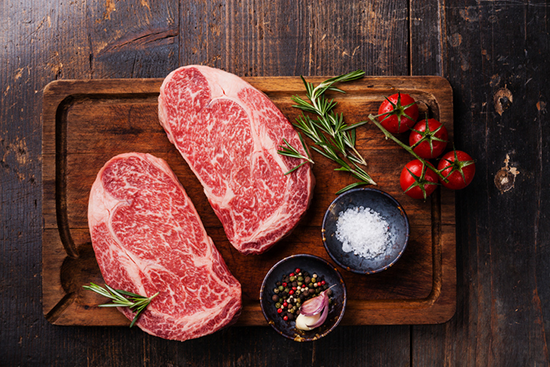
[
  {"x": 459, "y": 169},
  {"x": 428, "y": 138},
  {"x": 417, "y": 180},
  {"x": 402, "y": 113}
]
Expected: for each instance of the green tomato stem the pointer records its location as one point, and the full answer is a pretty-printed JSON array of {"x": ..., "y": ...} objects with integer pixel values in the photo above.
[{"x": 406, "y": 147}]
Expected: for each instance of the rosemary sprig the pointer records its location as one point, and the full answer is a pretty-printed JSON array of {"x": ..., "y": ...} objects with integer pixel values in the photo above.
[
  {"x": 121, "y": 298},
  {"x": 333, "y": 138},
  {"x": 290, "y": 151},
  {"x": 328, "y": 121}
]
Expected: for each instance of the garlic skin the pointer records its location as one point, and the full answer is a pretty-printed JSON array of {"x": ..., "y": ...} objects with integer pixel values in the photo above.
[{"x": 303, "y": 321}]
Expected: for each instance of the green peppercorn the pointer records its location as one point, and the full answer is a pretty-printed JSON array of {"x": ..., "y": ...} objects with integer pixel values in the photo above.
[
  {"x": 277, "y": 305},
  {"x": 300, "y": 279},
  {"x": 286, "y": 290},
  {"x": 299, "y": 284},
  {"x": 310, "y": 285},
  {"x": 281, "y": 288}
]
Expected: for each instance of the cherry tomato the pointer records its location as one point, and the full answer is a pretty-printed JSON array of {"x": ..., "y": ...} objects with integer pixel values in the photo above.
[
  {"x": 399, "y": 113},
  {"x": 428, "y": 138},
  {"x": 417, "y": 180},
  {"x": 459, "y": 169}
]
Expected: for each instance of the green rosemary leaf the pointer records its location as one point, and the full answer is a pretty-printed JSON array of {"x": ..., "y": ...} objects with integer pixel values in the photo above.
[
  {"x": 111, "y": 305},
  {"x": 96, "y": 288},
  {"x": 329, "y": 132},
  {"x": 135, "y": 302},
  {"x": 334, "y": 89},
  {"x": 326, "y": 155},
  {"x": 295, "y": 168},
  {"x": 290, "y": 151},
  {"x": 351, "y": 186},
  {"x": 305, "y": 148},
  {"x": 354, "y": 126},
  {"x": 130, "y": 294}
]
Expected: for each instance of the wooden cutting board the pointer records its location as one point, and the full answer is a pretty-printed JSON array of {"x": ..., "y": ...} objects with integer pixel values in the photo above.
[{"x": 86, "y": 122}]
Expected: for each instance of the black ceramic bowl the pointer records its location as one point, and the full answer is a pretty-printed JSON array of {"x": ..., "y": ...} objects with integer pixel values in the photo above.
[
  {"x": 390, "y": 210},
  {"x": 311, "y": 264}
]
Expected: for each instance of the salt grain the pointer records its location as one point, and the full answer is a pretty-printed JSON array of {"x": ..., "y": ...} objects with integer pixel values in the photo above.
[{"x": 363, "y": 231}]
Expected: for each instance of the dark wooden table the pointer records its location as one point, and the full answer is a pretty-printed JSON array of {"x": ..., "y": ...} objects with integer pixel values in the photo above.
[{"x": 494, "y": 54}]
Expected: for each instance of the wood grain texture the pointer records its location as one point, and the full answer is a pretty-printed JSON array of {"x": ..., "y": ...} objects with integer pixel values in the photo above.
[
  {"x": 503, "y": 308},
  {"x": 88, "y": 122},
  {"x": 133, "y": 39},
  {"x": 255, "y": 38},
  {"x": 430, "y": 344},
  {"x": 23, "y": 37}
]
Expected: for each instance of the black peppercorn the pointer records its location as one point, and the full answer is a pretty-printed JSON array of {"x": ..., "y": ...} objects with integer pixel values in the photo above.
[{"x": 294, "y": 289}]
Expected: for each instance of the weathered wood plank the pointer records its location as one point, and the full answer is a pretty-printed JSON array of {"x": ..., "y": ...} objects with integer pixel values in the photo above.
[
  {"x": 28, "y": 62},
  {"x": 494, "y": 60},
  {"x": 426, "y": 37},
  {"x": 296, "y": 38},
  {"x": 430, "y": 343},
  {"x": 132, "y": 39}
]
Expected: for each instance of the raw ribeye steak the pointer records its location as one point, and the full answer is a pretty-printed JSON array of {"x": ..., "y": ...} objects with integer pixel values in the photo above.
[
  {"x": 229, "y": 133},
  {"x": 148, "y": 238}
]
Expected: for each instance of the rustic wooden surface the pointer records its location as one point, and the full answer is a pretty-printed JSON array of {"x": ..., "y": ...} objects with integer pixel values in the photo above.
[
  {"x": 494, "y": 54},
  {"x": 86, "y": 122}
]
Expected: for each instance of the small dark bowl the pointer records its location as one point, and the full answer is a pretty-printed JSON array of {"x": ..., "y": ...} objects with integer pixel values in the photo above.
[
  {"x": 311, "y": 264},
  {"x": 388, "y": 208}
]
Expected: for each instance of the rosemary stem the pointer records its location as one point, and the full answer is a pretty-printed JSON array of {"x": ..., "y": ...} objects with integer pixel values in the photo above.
[
  {"x": 328, "y": 130},
  {"x": 358, "y": 156}
]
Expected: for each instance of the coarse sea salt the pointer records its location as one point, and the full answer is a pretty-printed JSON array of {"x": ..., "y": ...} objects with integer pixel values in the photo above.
[{"x": 363, "y": 231}]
